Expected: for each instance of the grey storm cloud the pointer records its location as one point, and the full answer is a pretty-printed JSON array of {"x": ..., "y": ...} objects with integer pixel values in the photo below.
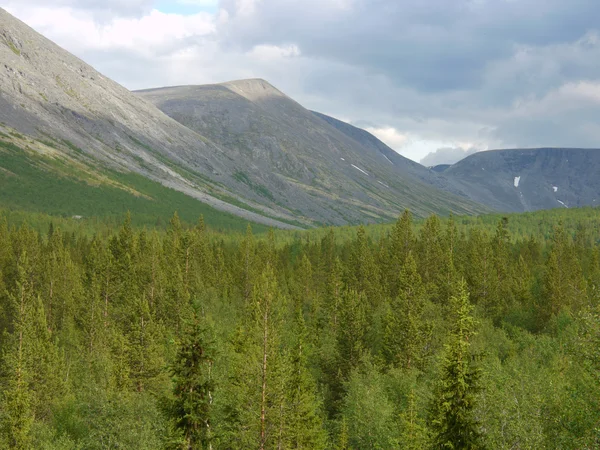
[
  {"x": 429, "y": 45},
  {"x": 436, "y": 67}
]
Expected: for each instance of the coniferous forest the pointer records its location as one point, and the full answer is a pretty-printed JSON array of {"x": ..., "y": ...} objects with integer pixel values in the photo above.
[{"x": 430, "y": 335}]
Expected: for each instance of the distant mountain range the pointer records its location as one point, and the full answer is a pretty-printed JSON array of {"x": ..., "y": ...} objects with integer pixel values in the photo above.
[
  {"x": 245, "y": 148},
  {"x": 531, "y": 179}
]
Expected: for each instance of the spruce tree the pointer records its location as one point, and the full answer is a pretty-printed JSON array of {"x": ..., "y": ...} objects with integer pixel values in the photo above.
[
  {"x": 401, "y": 244},
  {"x": 413, "y": 430},
  {"x": 453, "y": 420},
  {"x": 406, "y": 334},
  {"x": 305, "y": 423},
  {"x": 17, "y": 398},
  {"x": 190, "y": 409}
]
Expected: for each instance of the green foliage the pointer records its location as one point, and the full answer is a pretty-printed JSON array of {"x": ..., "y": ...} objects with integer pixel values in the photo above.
[
  {"x": 343, "y": 339},
  {"x": 368, "y": 411},
  {"x": 193, "y": 386},
  {"x": 47, "y": 185},
  {"x": 453, "y": 414}
]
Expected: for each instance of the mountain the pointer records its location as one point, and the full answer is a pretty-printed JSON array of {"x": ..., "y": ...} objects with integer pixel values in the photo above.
[
  {"x": 403, "y": 166},
  {"x": 304, "y": 162},
  {"x": 440, "y": 167},
  {"x": 91, "y": 123},
  {"x": 530, "y": 179},
  {"x": 241, "y": 147}
]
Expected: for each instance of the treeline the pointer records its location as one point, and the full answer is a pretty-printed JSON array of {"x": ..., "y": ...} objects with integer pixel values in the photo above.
[
  {"x": 521, "y": 226},
  {"x": 436, "y": 338}
]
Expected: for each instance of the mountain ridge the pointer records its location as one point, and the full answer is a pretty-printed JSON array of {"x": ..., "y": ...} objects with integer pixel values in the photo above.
[
  {"x": 286, "y": 144},
  {"x": 530, "y": 179},
  {"x": 245, "y": 147}
]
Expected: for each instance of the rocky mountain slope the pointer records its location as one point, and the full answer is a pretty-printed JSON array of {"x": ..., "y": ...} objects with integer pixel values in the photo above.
[
  {"x": 53, "y": 97},
  {"x": 298, "y": 159},
  {"x": 246, "y": 148},
  {"x": 403, "y": 166},
  {"x": 242, "y": 147},
  {"x": 532, "y": 179}
]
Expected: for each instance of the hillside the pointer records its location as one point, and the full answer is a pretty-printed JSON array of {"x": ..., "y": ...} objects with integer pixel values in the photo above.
[
  {"x": 403, "y": 166},
  {"x": 252, "y": 151},
  {"x": 56, "y": 99},
  {"x": 299, "y": 160},
  {"x": 529, "y": 180}
]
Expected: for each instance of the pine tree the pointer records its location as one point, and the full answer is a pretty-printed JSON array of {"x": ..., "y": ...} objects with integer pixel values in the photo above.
[
  {"x": 453, "y": 422},
  {"x": 342, "y": 439},
  {"x": 17, "y": 396},
  {"x": 564, "y": 285},
  {"x": 306, "y": 425},
  {"x": 333, "y": 293},
  {"x": 431, "y": 255},
  {"x": 363, "y": 272},
  {"x": 247, "y": 263},
  {"x": 413, "y": 430},
  {"x": 480, "y": 269},
  {"x": 264, "y": 297},
  {"x": 145, "y": 350},
  {"x": 190, "y": 409},
  {"x": 352, "y": 332},
  {"x": 401, "y": 244},
  {"x": 406, "y": 333},
  {"x": 503, "y": 298}
]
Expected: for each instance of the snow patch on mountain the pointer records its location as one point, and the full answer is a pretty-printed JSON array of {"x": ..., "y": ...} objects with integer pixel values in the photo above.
[{"x": 358, "y": 168}]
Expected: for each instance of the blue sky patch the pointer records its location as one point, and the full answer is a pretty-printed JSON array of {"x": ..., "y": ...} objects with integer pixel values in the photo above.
[{"x": 186, "y": 7}]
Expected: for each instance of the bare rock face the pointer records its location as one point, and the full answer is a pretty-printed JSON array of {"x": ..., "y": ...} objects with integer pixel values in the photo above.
[
  {"x": 528, "y": 180},
  {"x": 47, "y": 93},
  {"x": 303, "y": 160},
  {"x": 243, "y": 146}
]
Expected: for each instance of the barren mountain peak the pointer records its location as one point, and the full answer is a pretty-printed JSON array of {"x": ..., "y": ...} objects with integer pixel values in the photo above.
[{"x": 254, "y": 88}]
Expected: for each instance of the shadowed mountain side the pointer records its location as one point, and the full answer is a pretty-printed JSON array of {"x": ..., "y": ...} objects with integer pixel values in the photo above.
[
  {"x": 530, "y": 179},
  {"x": 403, "y": 165},
  {"x": 302, "y": 161}
]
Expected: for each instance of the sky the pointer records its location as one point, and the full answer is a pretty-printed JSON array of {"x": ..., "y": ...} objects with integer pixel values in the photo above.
[{"x": 434, "y": 79}]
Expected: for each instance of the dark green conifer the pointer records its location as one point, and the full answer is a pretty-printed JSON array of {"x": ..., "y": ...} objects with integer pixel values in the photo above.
[
  {"x": 453, "y": 419},
  {"x": 190, "y": 409}
]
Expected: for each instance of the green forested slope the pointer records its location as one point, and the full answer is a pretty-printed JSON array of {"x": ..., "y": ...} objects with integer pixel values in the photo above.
[{"x": 183, "y": 339}]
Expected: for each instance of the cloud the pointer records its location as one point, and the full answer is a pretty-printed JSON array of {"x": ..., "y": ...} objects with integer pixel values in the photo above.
[
  {"x": 152, "y": 34},
  {"x": 273, "y": 52},
  {"x": 202, "y": 3},
  {"x": 421, "y": 75},
  {"x": 100, "y": 9},
  {"x": 390, "y": 136},
  {"x": 447, "y": 155}
]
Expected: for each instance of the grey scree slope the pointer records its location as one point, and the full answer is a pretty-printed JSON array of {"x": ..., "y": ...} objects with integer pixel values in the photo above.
[{"x": 245, "y": 145}]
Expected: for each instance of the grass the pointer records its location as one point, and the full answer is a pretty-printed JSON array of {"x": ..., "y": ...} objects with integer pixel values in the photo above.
[
  {"x": 256, "y": 187},
  {"x": 46, "y": 185},
  {"x": 14, "y": 49}
]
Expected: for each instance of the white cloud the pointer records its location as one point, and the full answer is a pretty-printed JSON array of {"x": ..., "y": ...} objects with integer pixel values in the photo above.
[
  {"x": 273, "y": 52},
  {"x": 390, "y": 136},
  {"x": 447, "y": 155},
  {"x": 152, "y": 34},
  {"x": 202, "y": 3}
]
